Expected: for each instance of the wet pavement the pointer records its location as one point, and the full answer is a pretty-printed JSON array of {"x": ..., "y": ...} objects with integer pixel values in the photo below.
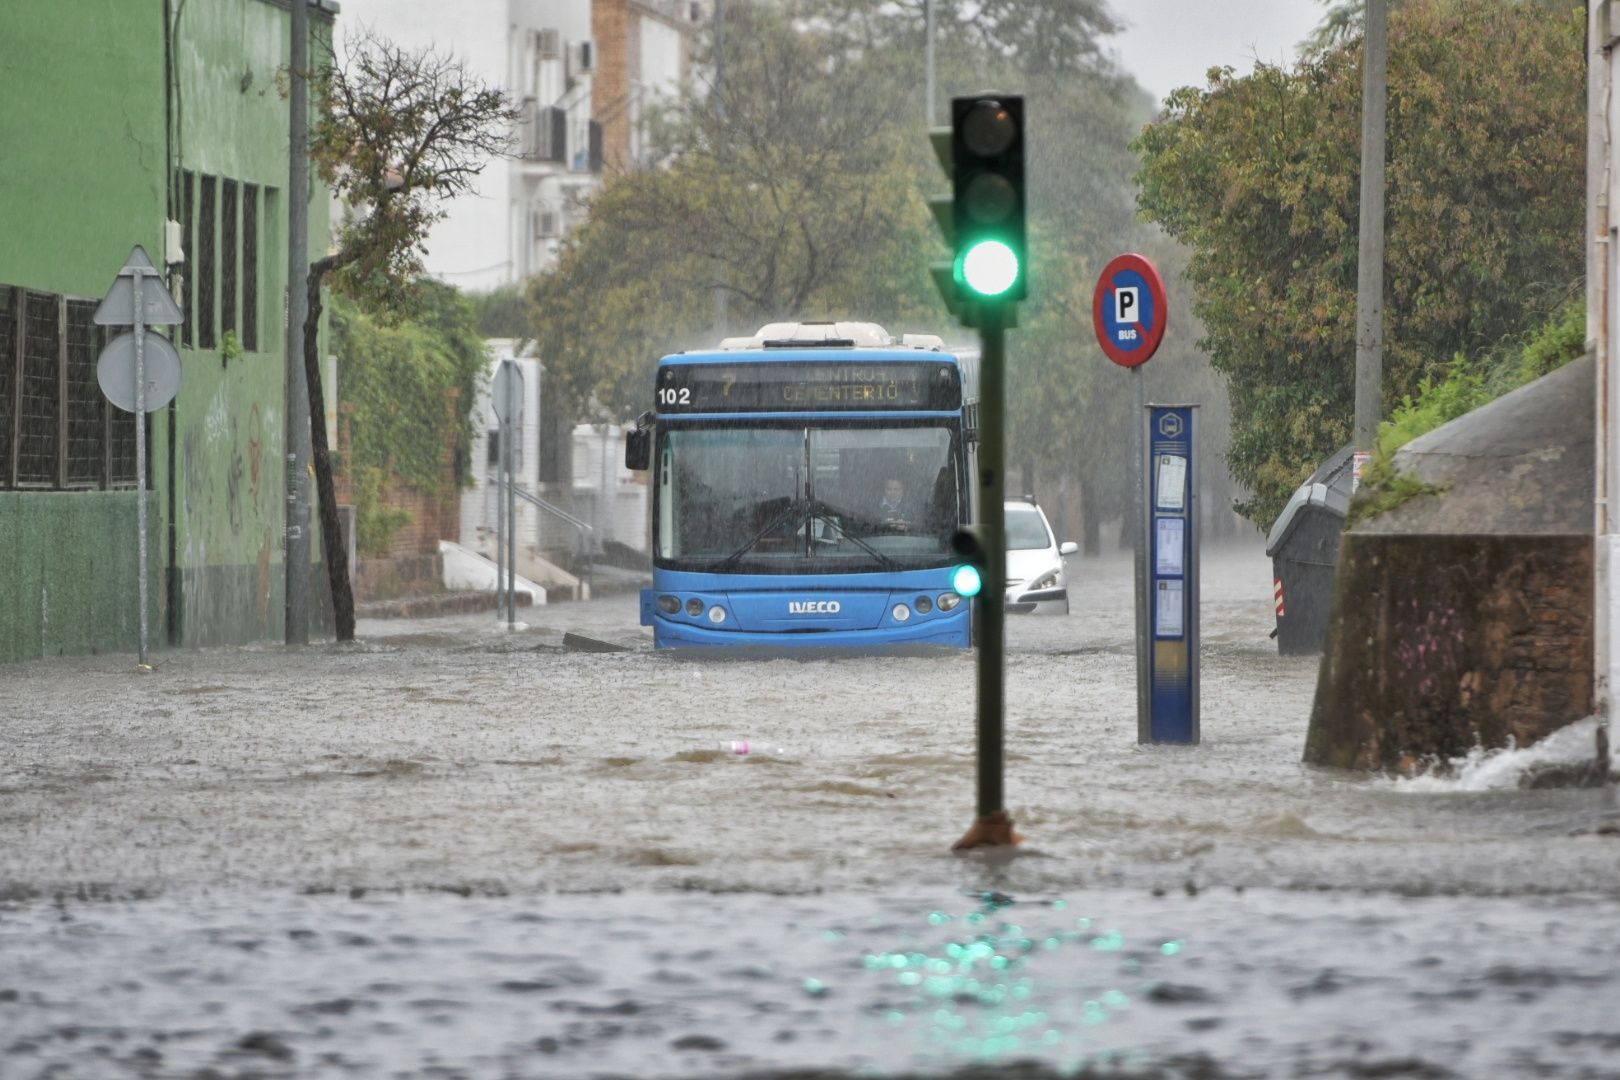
[{"x": 451, "y": 849}]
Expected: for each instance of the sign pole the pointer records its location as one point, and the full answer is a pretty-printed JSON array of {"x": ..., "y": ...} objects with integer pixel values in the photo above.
[
  {"x": 511, "y": 527},
  {"x": 1139, "y": 543},
  {"x": 500, "y": 512},
  {"x": 140, "y": 447},
  {"x": 133, "y": 380},
  {"x": 1130, "y": 311}
]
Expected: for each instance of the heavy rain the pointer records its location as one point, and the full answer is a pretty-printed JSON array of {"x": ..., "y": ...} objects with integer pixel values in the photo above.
[
  {"x": 547, "y": 619},
  {"x": 453, "y": 850}
]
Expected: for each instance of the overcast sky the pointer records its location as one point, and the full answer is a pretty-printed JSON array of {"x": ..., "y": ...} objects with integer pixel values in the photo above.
[{"x": 1171, "y": 43}]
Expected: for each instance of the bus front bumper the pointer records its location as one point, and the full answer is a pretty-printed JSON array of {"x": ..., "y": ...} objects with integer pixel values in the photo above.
[{"x": 947, "y": 630}]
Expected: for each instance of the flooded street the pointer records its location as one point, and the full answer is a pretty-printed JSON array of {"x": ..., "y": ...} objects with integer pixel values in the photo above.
[{"x": 451, "y": 850}]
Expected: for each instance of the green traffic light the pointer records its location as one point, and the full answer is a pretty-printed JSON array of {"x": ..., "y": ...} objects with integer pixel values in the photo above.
[
  {"x": 990, "y": 268},
  {"x": 966, "y": 581}
]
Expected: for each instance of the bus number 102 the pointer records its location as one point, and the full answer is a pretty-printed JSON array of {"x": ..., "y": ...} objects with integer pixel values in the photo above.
[{"x": 675, "y": 395}]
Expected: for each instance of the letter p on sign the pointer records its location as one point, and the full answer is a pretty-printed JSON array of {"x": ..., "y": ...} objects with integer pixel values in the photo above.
[{"x": 1126, "y": 305}]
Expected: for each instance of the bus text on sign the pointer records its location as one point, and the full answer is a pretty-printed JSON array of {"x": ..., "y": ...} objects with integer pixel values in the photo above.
[{"x": 1129, "y": 310}]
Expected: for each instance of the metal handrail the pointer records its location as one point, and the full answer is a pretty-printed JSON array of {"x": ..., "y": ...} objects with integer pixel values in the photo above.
[{"x": 556, "y": 511}]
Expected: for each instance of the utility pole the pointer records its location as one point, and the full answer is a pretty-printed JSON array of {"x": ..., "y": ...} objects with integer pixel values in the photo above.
[
  {"x": 1602, "y": 63},
  {"x": 722, "y": 300},
  {"x": 1370, "y": 265},
  {"x": 297, "y": 437},
  {"x": 928, "y": 61}
]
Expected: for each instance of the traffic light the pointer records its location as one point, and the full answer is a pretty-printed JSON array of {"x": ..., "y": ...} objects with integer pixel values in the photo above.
[
  {"x": 969, "y": 544},
  {"x": 986, "y": 231}
]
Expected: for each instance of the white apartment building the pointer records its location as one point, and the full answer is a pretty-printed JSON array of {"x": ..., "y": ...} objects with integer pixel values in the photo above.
[{"x": 584, "y": 73}]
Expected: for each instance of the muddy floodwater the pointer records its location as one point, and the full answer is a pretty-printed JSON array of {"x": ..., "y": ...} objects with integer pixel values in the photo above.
[{"x": 451, "y": 850}]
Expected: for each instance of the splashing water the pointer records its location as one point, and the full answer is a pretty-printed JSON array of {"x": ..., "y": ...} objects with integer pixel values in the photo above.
[{"x": 1507, "y": 769}]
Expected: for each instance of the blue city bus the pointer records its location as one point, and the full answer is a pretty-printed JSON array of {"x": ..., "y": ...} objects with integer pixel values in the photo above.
[{"x": 805, "y": 486}]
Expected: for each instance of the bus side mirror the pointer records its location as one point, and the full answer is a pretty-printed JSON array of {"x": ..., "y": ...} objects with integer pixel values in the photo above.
[{"x": 637, "y": 449}]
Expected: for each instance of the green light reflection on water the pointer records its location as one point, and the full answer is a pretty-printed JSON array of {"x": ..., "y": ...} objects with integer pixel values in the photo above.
[{"x": 997, "y": 1020}]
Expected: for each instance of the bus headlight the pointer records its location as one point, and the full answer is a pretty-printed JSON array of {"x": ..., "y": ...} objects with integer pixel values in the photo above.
[
  {"x": 923, "y": 605},
  {"x": 670, "y": 605},
  {"x": 901, "y": 613},
  {"x": 717, "y": 614},
  {"x": 694, "y": 607},
  {"x": 948, "y": 601}
]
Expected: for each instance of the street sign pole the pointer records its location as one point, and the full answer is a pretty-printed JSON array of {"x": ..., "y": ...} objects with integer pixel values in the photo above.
[
  {"x": 1139, "y": 546},
  {"x": 140, "y": 447},
  {"x": 500, "y": 514},
  {"x": 1130, "y": 312},
  {"x": 129, "y": 302},
  {"x": 511, "y": 528}
]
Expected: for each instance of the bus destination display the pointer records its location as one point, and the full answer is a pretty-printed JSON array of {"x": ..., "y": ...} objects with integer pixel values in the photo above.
[{"x": 809, "y": 387}]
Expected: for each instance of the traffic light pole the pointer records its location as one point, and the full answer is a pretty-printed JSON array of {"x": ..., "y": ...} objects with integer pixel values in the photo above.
[{"x": 993, "y": 826}]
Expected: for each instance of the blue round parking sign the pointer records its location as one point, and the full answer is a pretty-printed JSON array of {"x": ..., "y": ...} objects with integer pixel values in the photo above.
[{"x": 1129, "y": 310}]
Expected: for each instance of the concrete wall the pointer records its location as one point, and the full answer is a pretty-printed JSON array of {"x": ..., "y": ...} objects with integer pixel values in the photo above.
[
  {"x": 62, "y": 549},
  {"x": 232, "y": 123},
  {"x": 91, "y": 146}
]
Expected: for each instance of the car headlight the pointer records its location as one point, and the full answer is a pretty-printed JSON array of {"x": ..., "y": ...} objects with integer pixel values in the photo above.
[{"x": 1049, "y": 581}]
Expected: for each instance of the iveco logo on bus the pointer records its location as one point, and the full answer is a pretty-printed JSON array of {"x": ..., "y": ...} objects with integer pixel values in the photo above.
[{"x": 814, "y": 607}]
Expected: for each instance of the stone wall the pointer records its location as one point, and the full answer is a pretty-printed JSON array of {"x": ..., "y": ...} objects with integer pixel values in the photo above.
[{"x": 1444, "y": 643}]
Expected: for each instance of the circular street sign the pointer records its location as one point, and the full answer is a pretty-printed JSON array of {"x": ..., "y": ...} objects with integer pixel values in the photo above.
[
  {"x": 1129, "y": 310},
  {"x": 160, "y": 365}
]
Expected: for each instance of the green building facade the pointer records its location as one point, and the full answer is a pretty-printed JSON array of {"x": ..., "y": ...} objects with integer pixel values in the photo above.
[{"x": 123, "y": 115}]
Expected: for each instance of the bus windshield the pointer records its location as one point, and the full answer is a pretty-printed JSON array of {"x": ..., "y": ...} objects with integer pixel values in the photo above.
[{"x": 799, "y": 499}]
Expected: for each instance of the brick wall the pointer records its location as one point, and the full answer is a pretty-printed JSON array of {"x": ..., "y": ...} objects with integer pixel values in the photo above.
[
  {"x": 611, "y": 26},
  {"x": 1439, "y": 644},
  {"x": 434, "y": 514}
]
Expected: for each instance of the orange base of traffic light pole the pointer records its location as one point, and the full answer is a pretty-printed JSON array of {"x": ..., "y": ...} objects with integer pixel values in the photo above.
[{"x": 994, "y": 830}]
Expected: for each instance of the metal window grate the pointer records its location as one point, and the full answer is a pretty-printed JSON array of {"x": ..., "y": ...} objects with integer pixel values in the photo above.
[
  {"x": 250, "y": 267},
  {"x": 207, "y": 279},
  {"x": 84, "y": 399},
  {"x": 39, "y": 403},
  {"x": 188, "y": 186},
  {"x": 8, "y": 386},
  {"x": 57, "y": 431},
  {"x": 227, "y": 255}
]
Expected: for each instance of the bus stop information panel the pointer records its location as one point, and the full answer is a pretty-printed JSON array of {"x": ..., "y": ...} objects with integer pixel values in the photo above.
[{"x": 1171, "y": 713}]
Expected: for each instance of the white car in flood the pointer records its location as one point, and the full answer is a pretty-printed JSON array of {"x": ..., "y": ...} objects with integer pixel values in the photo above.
[{"x": 1035, "y": 572}]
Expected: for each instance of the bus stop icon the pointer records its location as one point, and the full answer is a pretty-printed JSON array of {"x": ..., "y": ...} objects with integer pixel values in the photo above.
[{"x": 1170, "y": 425}]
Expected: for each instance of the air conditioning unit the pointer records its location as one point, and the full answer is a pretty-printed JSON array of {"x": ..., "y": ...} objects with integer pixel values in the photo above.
[{"x": 548, "y": 44}]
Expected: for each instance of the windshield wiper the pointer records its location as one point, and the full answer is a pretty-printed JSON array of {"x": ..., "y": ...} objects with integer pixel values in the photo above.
[
  {"x": 821, "y": 510},
  {"x": 731, "y": 560}
]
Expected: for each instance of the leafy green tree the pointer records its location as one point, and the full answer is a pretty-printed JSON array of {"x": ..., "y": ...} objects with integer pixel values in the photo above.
[{"x": 1258, "y": 176}]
